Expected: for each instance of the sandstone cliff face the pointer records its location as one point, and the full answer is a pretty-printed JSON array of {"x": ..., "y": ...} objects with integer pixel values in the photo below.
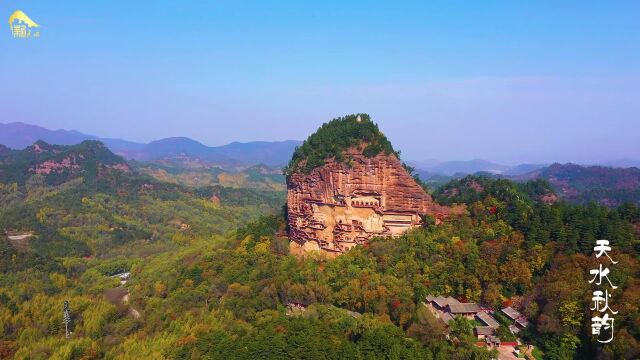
[{"x": 338, "y": 206}]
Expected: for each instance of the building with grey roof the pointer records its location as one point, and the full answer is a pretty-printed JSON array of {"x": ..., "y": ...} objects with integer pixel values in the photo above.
[
  {"x": 522, "y": 322},
  {"x": 466, "y": 309},
  {"x": 446, "y": 317},
  {"x": 512, "y": 313},
  {"x": 483, "y": 331},
  {"x": 442, "y": 302},
  {"x": 516, "y": 316},
  {"x": 488, "y": 319}
]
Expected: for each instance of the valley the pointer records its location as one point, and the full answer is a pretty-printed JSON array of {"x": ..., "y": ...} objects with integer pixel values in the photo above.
[{"x": 213, "y": 267}]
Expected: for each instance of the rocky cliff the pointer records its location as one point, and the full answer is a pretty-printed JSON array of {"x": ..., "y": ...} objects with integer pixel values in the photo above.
[
  {"x": 353, "y": 197},
  {"x": 57, "y": 164}
]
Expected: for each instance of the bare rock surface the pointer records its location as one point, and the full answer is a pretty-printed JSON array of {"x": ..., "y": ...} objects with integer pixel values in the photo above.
[{"x": 343, "y": 204}]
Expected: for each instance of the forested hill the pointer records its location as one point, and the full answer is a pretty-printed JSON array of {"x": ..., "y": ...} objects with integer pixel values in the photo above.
[
  {"x": 65, "y": 231},
  {"x": 211, "y": 274},
  {"x": 608, "y": 186},
  {"x": 57, "y": 164},
  {"x": 472, "y": 188},
  {"x": 582, "y": 184},
  {"x": 208, "y": 281},
  {"x": 82, "y": 200},
  {"x": 334, "y": 137},
  {"x": 548, "y": 244},
  {"x": 534, "y": 208}
]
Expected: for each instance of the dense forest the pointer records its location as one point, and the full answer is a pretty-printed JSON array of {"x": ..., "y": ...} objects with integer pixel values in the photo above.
[
  {"x": 57, "y": 163},
  {"x": 334, "y": 137},
  {"x": 584, "y": 184},
  {"x": 210, "y": 274}
]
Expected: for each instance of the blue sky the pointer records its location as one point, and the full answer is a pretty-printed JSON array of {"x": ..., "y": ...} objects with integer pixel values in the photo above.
[{"x": 506, "y": 81}]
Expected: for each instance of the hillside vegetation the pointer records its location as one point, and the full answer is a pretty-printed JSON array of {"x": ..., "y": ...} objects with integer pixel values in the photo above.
[
  {"x": 254, "y": 177},
  {"x": 583, "y": 184},
  {"x": 211, "y": 276},
  {"x": 58, "y": 163},
  {"x": 336, "y": 136}
]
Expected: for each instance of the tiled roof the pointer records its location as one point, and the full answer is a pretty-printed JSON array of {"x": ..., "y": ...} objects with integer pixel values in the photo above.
[
  {"x": 446, "y": 317},
  {"x": 488, "y": 319},
  {"x": 484, "y": 330},
  {"x": 451, "y": 300},
  {"x": 511, "y": 313},
  {"x": 444, "y": 301},
  {"x": 464, "y": 308},
  {"x": 440, "y": 301}
]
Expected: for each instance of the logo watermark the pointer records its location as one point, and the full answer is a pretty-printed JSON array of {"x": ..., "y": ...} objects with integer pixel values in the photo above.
[
  {"x": 22, "y": 27},
  {"x": 602, "y": 319}
]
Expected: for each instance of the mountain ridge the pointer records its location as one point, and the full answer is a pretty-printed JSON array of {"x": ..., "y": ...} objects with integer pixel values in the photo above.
[
  {"x": 606, "y": 185},
  {"x": 57, "y": 164},
  {"x": 19, "y": 135},
  {"x": 610, "y": 186}
]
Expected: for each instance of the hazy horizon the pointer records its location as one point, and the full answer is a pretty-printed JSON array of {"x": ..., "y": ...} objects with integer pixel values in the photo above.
[
  {"x": 548, "y": 83},
  {"x": 420, "y": 163}
]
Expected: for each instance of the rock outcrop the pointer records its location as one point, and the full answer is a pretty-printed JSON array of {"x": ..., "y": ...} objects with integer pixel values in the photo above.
[
  {"x": 57, "y": 164},
  {"x": 340, "y": 205}
]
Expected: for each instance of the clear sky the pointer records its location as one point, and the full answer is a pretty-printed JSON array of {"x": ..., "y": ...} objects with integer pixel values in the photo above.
[{"x": 509, "y": 81}]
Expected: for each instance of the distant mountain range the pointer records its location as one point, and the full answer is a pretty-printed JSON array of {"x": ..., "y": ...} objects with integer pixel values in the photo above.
[
  {"x": 431, "y": 168},
  {"x": 271, "y": 153},
  {"x": 186, "y": 152},
  {"x": 608, "y": 186},
  {"x": 464, "y": 167},
  {"x": 183, "y": 160},
  {"x": 53, "y": 165}
]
